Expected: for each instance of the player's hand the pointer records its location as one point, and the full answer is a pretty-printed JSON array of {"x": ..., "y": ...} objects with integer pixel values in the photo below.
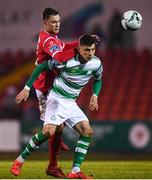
[
  {"x": 93, "y": 103},
  {"x": 23, "y": 95},
  {"x": 96, "y": 38}
]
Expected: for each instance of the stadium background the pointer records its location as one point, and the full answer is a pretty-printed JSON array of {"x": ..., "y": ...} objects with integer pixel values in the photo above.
[{"x": 123, "y": 121}]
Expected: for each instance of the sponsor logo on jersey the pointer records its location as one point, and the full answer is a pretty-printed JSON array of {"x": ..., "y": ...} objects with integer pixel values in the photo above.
[{"x": 54, "y": 48}]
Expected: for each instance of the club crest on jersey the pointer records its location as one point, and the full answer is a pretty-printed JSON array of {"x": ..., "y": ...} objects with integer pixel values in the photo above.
[
  {"x": 54, "y": 48},
  {"x": 89, "y": 72},
  {"x": 51, "y": 43}
]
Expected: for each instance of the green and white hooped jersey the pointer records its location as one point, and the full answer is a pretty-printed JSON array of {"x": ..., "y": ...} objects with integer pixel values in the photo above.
[{"x": 74, "y": 76}]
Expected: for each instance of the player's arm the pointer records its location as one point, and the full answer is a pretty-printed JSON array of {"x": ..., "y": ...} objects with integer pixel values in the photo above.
[
  {"x": 54, "y": 50},
  {"x": 70, "y": 51},
  {"x": 70, "y": 45},
  {"x": 24, "y": 94},
  {"x": 64, "y": 55},
  {"x": 74, "y": 44},
  {"x": 97, "y": 85}
]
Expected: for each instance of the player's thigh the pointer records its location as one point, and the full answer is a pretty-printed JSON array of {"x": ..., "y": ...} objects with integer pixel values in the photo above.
[
  {"x": 55, "y": 111},
  {"x": 78, "y": 120}
]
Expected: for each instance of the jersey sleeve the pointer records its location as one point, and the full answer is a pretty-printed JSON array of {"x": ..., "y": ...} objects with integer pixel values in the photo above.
[
  {"x": 51, "y": 47},
  {"x": 71, "y": 45},
  {"x": 97, "y": 85},
  {"x": 37, "y": 71},
  {"x": 98, "y": 72},
  {"x": 55, "y": 51}
]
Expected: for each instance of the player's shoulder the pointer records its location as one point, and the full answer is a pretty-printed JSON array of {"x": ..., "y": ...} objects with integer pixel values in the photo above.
[
  {"x": 44, "y": 35},
  {"x": 97, "y": 60}
]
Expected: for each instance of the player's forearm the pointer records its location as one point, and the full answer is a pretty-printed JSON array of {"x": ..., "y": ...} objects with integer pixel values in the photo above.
[
  {"x": 97, "y": 87},
  {"x": 35, "y": 74},
  {"x": 64, "y": 56},
  {"x": 71, "y": 45}
]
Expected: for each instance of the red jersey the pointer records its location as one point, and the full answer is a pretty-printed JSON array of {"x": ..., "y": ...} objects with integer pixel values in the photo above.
[{"x": 51, "y": 47}]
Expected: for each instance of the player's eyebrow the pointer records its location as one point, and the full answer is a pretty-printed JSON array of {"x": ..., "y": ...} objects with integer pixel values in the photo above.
[{"x": 89, "y": 49}]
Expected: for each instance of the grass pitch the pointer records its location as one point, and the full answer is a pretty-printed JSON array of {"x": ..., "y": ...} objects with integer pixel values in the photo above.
[{"x": 99, "y": 169}]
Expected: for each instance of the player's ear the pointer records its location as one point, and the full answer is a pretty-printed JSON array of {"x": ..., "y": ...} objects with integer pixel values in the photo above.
[
  {"x": 45, "y": 22},
  {"x": 78, "y": 48}
]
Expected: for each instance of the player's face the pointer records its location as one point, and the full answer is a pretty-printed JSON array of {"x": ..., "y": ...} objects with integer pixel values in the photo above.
[
  {"x": 52, "y": 24},
  {"x": 87, "y": 52}
]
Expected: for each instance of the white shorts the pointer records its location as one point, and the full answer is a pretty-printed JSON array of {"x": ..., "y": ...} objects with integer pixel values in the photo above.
[{"x": 59, "y": 110}]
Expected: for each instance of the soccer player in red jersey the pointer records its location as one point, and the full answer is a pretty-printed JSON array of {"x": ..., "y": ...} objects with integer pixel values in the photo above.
[{"x": 50, "y": 46}]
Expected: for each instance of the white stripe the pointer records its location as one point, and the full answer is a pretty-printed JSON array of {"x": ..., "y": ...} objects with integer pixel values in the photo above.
[
  {"x": 36, "y": 63},
  {"x": 80, "y": 79},
  {"x": 32, "y": 144},
  {"x": 36, "y": 136},
  {"x": 78, "y": 149},
  {"x": 27, "y": 88},
  {"x": 83, "y": 142},
  {"x": 59, "y": 83},
  {"x": 28, "y": 150},
  {"x": 95, "y": 95},
  {"x": 55, "y": 53}
]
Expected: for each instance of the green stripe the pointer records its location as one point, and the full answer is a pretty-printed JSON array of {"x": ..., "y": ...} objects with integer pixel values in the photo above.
[
  {"x": 63, "y": 93},
  {"x": 78, "y": 159},
  {"x": 82, "y": 146},
  {"x": 76, "y": 71},
  {"x": 84, "y": 138},
  {"x": 78, "y": 165},
  {"x": 68, "y": 83},
  {"x": 35, "y": 140},
  {"x": 30, "y": 148},
  {"x": 25, "y": 154},
  {"x": 42, "y": 137}
]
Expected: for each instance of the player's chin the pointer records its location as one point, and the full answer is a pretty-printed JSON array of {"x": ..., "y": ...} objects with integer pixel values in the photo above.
[
  {"x": 56, "y": 31},
  {"x": 88, "y": 58}
]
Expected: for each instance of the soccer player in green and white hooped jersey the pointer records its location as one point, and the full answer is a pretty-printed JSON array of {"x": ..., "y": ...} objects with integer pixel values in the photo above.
[{"x": 61, "y": 105}]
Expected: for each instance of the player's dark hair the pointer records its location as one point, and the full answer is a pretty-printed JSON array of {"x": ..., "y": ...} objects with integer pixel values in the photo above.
[
  {"x": 47, "y": 12},
  {"x": 87, "y": 40}
]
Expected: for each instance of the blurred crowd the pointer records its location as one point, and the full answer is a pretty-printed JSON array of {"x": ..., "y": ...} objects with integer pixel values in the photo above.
[{"x": 118, "y": 48}]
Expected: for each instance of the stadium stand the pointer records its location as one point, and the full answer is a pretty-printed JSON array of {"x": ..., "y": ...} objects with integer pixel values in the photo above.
[{"x": 127, "y": 86}]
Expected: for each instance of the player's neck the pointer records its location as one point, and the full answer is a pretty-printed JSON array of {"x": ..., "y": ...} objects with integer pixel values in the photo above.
[
  {"x": 52, "y": 34},
  {"x": 81, "y": 59}
]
